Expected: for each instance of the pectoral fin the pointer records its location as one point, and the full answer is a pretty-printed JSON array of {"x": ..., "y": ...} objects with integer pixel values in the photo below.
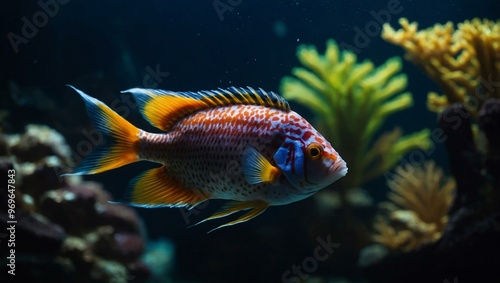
[
  {"x": 257, "y": 207},
  {"x": 257, "y": 169}
]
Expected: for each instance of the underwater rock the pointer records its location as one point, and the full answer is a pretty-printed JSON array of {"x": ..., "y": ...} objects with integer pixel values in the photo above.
[
  {"x": 72, "y": 207},
  {"x": 41, "y": 155},
  {"x": 89, "y": 267},
  {"x": 126, "y": 247},
  {"x": 138, "y": 270},
  {"x": 78, "y": 253},
  {"x": 41, "y": 176},
  {"x": 66, "y": 226},
  {"x": 38, "y": 142},
  {"x": 121, "y": 217},
  {"x": 464, "y": 159},
  {"x": 489, "y": 122},
  {"x": 78, "y": 208},
  {"x": 108, "y": 232},
  {"x": 35, "y": 233}
]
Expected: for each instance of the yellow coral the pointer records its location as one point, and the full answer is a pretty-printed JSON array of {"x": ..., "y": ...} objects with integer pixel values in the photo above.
[
  {"x": 417, "y": 214},
  {"x": 465, "y": 62},
  {"x": 351, "y": 101}
]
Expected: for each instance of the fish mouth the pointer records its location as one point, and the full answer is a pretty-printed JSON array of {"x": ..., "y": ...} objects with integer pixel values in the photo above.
[
  {"x": 338, "y": 170},
  {"x": 335, "y": 172}
]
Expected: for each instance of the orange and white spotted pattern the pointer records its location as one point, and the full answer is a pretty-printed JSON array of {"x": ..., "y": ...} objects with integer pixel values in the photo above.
[{"x": 204, "y": 151}]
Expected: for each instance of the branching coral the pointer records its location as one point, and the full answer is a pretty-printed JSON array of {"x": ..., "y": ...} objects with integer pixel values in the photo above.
[
  {"x": 352, "y": 101},
  {"x": 421, "y": 197},
  {"x": 473, "y": 223},
  {"x": 465, "y": 62}
]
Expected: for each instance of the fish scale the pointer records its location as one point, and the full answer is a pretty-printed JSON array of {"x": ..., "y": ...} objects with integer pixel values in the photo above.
[
  {"x": 206, "y": 136},
  {"x": 237, "y": 144}
]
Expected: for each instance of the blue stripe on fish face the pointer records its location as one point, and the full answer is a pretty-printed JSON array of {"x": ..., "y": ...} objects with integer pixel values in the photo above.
[{"x": 290, "y": 159}]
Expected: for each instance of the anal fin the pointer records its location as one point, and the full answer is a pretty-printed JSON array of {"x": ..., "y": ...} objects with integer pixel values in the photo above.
[
  {"x": 257, "y": 207},
  {"x": 157, "y": 188}
]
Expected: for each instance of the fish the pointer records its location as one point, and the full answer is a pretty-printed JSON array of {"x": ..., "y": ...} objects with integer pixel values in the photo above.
[{"x": 242, "y": 145}]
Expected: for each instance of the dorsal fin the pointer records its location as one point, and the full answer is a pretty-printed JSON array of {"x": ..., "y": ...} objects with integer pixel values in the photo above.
[{"x": 163, "y": 108}]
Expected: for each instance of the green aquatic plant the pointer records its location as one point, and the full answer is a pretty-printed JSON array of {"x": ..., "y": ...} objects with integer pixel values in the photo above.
[{"x": 351, "y": 101}]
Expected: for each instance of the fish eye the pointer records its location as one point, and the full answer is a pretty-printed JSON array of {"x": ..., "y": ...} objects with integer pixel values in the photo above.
[{"x": 314, "y": 151}]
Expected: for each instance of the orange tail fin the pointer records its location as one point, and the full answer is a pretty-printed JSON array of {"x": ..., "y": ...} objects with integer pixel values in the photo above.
[{"x": 120, "y": 144}]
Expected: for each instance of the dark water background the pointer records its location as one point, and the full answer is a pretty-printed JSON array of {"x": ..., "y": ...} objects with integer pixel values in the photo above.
[{"x": 103, "y": 47}]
